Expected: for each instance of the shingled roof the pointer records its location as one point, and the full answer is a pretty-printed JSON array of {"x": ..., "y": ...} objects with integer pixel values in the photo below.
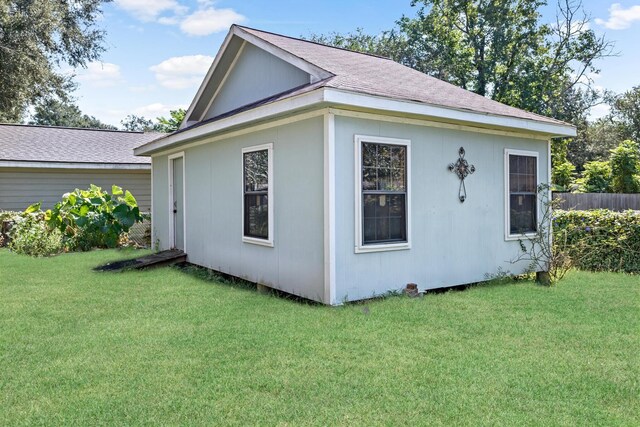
[
  {"x": 346, "y": 80},
  {"x": 28, "y": 143},
  {"x": 375, "y": 75}
]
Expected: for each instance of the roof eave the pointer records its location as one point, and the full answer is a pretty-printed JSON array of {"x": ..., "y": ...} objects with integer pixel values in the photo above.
[
  {"x": 323, "y": 97},
  {"x": 41, "y": 164},
  {"x": 473, "y": 118},
  {"x": 261, "y": 113}
]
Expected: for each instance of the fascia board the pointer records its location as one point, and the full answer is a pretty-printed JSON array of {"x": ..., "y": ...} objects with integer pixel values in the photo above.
[
  {"x": 259, "y": 113},
  {"x": 313, "y": 70},
  {"x": 341, "y": 97},
  {"x": 333, "y": 97},
  {"x": 73, "y": 165},
  {"x": 207, "y": 78}
]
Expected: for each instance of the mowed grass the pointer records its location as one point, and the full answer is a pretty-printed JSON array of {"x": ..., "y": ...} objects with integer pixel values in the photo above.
[{"x": 162, "y": 347}]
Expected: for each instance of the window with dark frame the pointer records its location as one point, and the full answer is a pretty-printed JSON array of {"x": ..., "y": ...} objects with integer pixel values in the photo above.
[
  {"x": 523, "y": 197},
  {"x": 256, "y": 194},
  {"x": 384, "y": 193}
]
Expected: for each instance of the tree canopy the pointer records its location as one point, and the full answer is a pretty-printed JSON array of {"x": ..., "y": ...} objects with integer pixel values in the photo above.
[
  {"x": 165, "y": 125},
  {"x": 597, "y": 138},
  {"x": 499, "y": 49},
  {"x": 52, "y": 112},
  {"x": 37, "y": 37},
  {"x": 134, "y": 123},
  {"x": 171, "y": 124},
  {"x": 625, "y": 113}
]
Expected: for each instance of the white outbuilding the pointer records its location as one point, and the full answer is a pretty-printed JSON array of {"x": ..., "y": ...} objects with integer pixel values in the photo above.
[{"x": 336, "y": 175}]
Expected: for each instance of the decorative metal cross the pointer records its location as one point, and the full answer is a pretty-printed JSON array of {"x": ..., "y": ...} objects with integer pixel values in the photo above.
[{"x": 462, "y": 169}]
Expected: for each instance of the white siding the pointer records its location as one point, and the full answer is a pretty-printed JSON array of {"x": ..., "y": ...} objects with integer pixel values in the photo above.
[
  {"x": 452, "y": 243},
  {"x": 256, "y": 75},
  {"x": 213, "y": 208},
  {"x": 20, "y": 188}
]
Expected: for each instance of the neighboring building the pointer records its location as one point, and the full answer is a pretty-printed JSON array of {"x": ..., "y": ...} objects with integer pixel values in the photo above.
[
  {"x": 41, "y": 163},
  {"x": 324, "y": 173}
]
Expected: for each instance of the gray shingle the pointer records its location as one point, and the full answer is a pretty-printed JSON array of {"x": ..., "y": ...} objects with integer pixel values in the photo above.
[
  {"x": 58, "y": 144},
  {"x": 379, "y": 76}
]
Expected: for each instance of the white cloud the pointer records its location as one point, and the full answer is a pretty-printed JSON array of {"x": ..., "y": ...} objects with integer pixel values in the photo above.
[
  {"x": 208, "y": 21},
  {"x": 203, "y": 21},
  {"x": 157, "y": 109},
  {"x": 150, "y": 10},
  {"x": 620, "y": 18},
  {"x": 181, "y": 72},
  {"x": 100, "y": 74},
  {"x": 152, "y": 110},
  {"x": 599, "y": 111}
]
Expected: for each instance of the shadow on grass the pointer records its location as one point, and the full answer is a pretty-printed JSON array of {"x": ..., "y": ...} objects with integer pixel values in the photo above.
[
  {"x": 117, "y": 266},
  {"x": 213, "y": 276}
]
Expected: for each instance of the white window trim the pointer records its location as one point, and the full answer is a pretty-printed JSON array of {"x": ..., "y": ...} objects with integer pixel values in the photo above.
[
  {"x": 254, "y": 240},
  {"x": 359, "y": 247},
  {"x": 172, "y": 235},
  {"x": 507, "y": 212}
]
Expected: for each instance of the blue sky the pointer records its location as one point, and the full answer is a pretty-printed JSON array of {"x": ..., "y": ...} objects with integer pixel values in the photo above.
[{"x": 159, "y": 50}]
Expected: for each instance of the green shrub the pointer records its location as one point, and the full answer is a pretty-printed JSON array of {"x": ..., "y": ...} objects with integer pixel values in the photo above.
[
  {"x": 596, "y": 177},
  {"x": 30, "y": 235},
  {"x": 625, "y": 167},
  {"x": 8, "y": 215},
  {"x": 600, "y": 240},
  {"x": 562, "y": 175},
  {"x": 94, "y": 218}
]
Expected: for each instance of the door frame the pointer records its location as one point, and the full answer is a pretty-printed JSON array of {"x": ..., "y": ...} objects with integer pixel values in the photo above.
[{"x": 172, "y": 232}]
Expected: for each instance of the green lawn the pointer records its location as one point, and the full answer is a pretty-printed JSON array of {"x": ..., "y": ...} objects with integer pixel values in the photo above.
[{"x": 163, "y": 347}]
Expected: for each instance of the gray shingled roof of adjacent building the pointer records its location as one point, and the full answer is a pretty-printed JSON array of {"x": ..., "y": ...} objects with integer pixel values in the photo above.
[
  {"x": 28, "y": 143},
  {"x": 374, "y": 75}
]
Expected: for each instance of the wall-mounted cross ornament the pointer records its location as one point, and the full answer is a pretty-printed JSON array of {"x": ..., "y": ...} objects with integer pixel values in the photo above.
[{"x": 462, "y": 168}]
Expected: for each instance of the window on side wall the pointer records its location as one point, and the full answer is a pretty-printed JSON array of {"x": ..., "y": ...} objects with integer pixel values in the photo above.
[
  {"x": 257, "y": 200},
  {"x": 382, "y": 194},
  {"x": 521, "y": 195}
]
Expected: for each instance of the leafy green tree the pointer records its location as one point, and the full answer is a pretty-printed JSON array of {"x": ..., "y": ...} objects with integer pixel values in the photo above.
[
  {"x": 389, "y": 44},
  {"x": 53, "y": 112},
  {"x": 473, "y": 44},
  {"x": 594, "y": 142},
  {"x": 502, "y": 50},
  {"x": 36, "y": 38},
  {"x": 562, "y": 175},
  {"x": 596, "y": 177},
  {"x": 563, "y": 170},
  {"x": 133, "y": 123},
  {"x": 499, "y": 49},
  {"x": 625, "y": 113},
  {"x": 625, "y": 167},
  {"x": 171, "y": 124}
]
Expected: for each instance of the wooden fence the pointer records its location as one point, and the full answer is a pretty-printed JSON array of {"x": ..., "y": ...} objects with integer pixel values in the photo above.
[{"x": 585, "y": 201}]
